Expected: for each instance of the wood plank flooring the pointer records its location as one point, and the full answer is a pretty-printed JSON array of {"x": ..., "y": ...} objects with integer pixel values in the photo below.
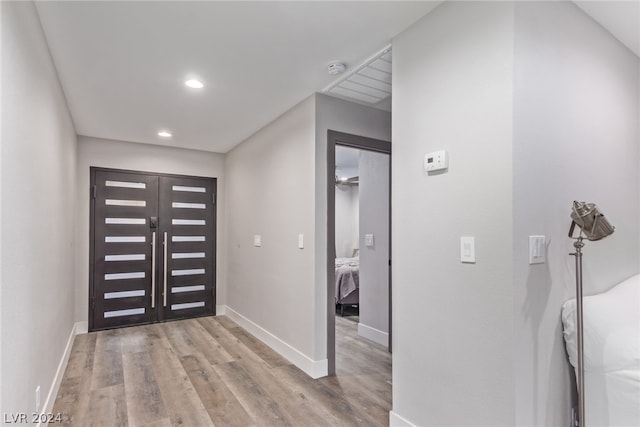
[{"x": 209, "y": 371}]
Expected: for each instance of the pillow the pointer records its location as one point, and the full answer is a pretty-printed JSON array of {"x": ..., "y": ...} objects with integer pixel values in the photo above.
[{"x": 611, "y": 353}]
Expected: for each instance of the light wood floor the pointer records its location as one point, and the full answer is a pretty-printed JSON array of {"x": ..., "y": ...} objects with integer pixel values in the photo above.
[{"x": 209, "y": 371}]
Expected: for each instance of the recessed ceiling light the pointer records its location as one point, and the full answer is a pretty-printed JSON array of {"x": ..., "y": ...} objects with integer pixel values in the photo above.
[
  {"x": 195, "y": 84},
  {"x": 165, "y": 134}
]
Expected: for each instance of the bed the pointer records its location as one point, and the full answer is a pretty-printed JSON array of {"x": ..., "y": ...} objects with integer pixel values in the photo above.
[
  {"x": 611, "y": 353},
  {"x": 347, "y": 282}
]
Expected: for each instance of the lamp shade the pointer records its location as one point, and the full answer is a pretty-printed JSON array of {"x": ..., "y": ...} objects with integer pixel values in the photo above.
[{"x": 593, "y": 223}]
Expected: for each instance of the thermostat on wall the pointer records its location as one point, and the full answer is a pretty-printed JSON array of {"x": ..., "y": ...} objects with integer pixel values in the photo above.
[{"x": 438, "y": 160}]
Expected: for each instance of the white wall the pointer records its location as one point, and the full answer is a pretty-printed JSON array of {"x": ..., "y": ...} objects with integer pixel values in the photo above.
[
  {"x": 38, "y": 176},
  {"x": 342, "y": 116},
  {"x": 374, "y": 261},
  {"x": 277, "y": 189},
  {"x": 453, "y": 338},
  {"x": 270, "y": 180},
  {"x": 347, "y": 212},
  {"x": 575, "y": 138},
  {"x": 142, "y": 157},
  {"x": 1, "y": 136}
]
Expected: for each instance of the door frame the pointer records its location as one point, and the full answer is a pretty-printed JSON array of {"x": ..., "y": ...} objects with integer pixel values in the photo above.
[
  {"x": 92, "y": 186},
  {"x": 335, "y": 138}
]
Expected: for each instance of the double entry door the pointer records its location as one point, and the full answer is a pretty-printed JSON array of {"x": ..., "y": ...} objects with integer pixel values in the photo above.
[{"x": 152, "y": 248}]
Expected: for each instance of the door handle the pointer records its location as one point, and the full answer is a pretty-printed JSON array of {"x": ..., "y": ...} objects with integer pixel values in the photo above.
[
  {"x": 153, "y": 270},
  {"x": 165, "y": 244}
]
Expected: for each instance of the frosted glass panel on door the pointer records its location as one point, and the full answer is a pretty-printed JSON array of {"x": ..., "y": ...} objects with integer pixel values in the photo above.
[
  {"x": 189, "y": 189},
  {"x": 127, "y": 257},
  {"x": 121, "y": 276},
  {"x": 180, "y": 205},
  {"x": 124, "y": 294},
  {"x": 187, "y": 305},
  {"x": 187, "y": 272},
  {"x": 134, "y": 203},
  {"x": 188, "y": 222},
  {"x": 187, "y": 238},
  {"x": 180, "y": 289},
  {"x": 187, "y": 255},
  {"x": 126, "y": 221},
  {"x": 124, "y": 184},
  {"x": 125, "y": 239},
  {"x": 119, "y": 313}
]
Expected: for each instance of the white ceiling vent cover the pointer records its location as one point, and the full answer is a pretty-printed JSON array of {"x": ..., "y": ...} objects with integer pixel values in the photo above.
[{"x": 369, "y": 83}]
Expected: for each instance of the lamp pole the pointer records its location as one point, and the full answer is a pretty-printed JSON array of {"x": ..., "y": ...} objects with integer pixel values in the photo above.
[{"x": 579, "y": 244}]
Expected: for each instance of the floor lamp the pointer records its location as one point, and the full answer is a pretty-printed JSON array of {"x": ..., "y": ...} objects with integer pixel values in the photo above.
[{"x": 593, "y": 226}]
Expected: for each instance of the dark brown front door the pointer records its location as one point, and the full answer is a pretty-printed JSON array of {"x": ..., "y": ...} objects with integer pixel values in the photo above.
[{"x": 152, "y": 248}]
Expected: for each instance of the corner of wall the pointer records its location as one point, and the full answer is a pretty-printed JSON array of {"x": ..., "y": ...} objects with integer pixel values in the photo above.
[
  {"x": 456, "y": 96},
  {"x": 279, "y": 156}
]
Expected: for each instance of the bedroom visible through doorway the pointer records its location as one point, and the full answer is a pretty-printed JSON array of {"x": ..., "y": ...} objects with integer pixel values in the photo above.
[{"x": 359, "y": 286}]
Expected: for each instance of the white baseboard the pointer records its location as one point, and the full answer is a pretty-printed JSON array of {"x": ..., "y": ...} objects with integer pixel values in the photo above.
[
  {"x": 313, "y": 368},
  {"x": 220, "y": 310},
  {"x": 78, "y": 328},
  {"x": 373, "y": 334},
  {"x": 396, "y": 420},
  {"x": 82, "y": 327}
]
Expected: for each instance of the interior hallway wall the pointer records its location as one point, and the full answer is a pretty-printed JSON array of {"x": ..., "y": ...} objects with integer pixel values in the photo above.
[
  {"x": 1, "y": 136},
  {"x": 576, "y": 137},
  {"x": 453, "y": 337},
  {"x": 270, "y": 193},
  {"x": 38, "y": 178},
  {"x": 149, "y": 158}
]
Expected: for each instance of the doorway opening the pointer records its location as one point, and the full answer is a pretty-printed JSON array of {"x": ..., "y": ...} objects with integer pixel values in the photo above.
[{"x": 358, "y": 252}]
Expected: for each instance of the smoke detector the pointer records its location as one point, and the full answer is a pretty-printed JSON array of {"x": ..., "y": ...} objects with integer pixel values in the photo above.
[{"x": 336, "y": 68}]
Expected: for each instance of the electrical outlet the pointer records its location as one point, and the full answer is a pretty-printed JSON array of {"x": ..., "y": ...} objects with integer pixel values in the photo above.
[{"x": 38, "y": 399}]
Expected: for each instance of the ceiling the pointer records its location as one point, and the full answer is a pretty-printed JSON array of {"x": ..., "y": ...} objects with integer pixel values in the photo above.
[
  {"x": 368, "y": 83},
  {"x": 621, "y": 18},
  {"x": 122, "y": 65}
]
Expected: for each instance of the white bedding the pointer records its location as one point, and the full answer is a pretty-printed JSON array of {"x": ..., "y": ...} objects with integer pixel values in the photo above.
[{"x": 611, "y": 353}]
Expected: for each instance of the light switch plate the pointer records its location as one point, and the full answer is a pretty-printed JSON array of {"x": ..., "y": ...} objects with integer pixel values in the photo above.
[
  {"x": 468, "y": 249},
  {"x": 537, "y": 250},
  {"x": 257, "y": 240},
  {"x": 368, "y": 240},
  {"x": 300, "y": 241}
]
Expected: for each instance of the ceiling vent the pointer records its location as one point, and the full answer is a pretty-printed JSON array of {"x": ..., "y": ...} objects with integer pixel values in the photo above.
[{"x": 369, "y": 83}]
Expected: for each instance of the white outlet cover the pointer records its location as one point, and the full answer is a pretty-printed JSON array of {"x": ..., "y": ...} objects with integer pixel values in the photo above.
[{"x": 257, "y": 240}]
